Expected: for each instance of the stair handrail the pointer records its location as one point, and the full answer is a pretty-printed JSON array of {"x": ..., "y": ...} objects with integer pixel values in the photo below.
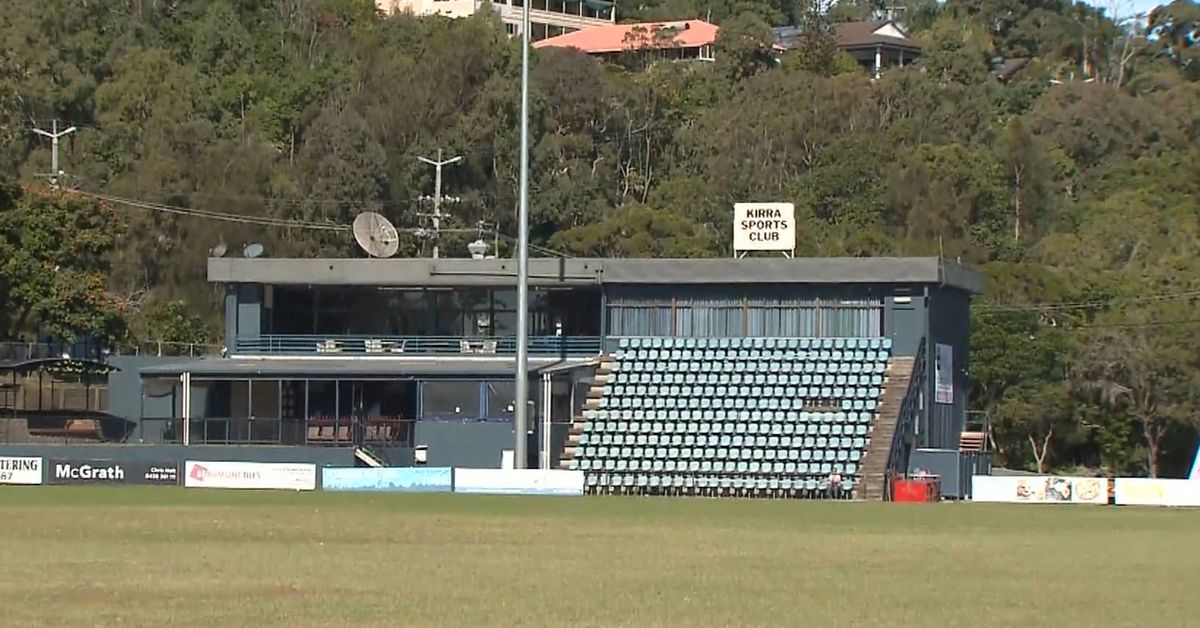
[{"x": 906, "y": 422}]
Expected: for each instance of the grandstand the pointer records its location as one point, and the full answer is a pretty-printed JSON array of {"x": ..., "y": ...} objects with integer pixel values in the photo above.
[{"x": 746, "y": 377}]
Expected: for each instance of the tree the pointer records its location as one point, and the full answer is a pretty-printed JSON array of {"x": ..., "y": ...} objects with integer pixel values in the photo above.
[
  {"x": 744, "y": 47},
  {"x": 53, "y": 265},
  {"x": 1027, "y": 173}
]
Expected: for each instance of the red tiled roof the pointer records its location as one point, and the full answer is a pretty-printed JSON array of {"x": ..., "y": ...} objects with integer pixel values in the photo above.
[{"x": 621, "y": 37}]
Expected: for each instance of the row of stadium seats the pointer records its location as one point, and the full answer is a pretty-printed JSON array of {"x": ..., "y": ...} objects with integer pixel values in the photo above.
[
  {"x": 739, "y": 416},
  {"x": 715, "y": 485},
  {"x": 656, "y": 342},
  {"x": 660, "y": 378},
  {"x": 716, "y": 365},
  {"x": 747, "y": 416}
]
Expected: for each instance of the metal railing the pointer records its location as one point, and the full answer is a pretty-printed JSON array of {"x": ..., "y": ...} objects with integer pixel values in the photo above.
[
  {"x": 321, "y": 431},
  {"x": 395, "y": 346},
  {"x": 906, "y": 422}
]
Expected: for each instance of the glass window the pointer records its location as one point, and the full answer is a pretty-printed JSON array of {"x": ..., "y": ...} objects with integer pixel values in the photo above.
[
  {"x": 450, "y": 400},
  {"x": 500, "y": 395}
]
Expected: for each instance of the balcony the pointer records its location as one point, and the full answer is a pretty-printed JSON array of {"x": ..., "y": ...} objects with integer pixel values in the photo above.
[{"x": 413, "y": 346}]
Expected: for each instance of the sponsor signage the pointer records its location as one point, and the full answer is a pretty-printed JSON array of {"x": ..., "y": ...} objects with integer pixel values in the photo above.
[
  {"x": 392, "y": 479},
  {"x": 1156, "y": 492},
  {"x": 20, "y": 470},
  {"x": 764, "y": 227},
  {"x": 1039, "y": 489},
  {"x": 518, "y": 481},
  {"x": 75, "y": 471},
  {"x": 266, "y": 475}
]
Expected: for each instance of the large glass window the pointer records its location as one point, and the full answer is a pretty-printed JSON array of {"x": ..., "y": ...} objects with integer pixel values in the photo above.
[{"x": 450, "y": 400}]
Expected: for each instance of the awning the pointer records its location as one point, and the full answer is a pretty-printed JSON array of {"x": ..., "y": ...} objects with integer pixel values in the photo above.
[
  {"x": 56, "y": 364},
  {"x": 355, "y": 368}
]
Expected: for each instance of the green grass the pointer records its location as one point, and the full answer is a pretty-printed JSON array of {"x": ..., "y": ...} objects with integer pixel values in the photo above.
[{"x": 170, "y": 557}]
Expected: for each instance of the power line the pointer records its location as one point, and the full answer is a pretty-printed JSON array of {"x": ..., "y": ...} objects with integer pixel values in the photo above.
[{"x": 1085, "y": 305}]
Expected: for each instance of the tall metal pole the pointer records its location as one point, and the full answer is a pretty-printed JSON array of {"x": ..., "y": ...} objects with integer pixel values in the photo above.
[
  {"x": 437, "y": 201},
  {"x": 437, "y": 193},
  {"x": 54, "y": 134},
  {"x": 521, "y": 420}
]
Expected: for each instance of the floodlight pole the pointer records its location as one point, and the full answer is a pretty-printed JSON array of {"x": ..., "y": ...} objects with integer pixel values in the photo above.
[
  {"x": 521, "y": 420},
  {"x": 437, "y": 193},
  {"x": 54, "y": 134}
]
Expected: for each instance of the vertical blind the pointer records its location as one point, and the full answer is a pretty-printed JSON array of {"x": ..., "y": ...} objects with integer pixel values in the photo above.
[{"x": 754, "y": 317}]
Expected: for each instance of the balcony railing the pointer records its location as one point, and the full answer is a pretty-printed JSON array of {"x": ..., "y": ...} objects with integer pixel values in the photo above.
[{"x": 400, "y": 346}]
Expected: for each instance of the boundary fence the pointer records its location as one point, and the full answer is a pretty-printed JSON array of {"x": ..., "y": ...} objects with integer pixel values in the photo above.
[{"x": 36, "y": 471}]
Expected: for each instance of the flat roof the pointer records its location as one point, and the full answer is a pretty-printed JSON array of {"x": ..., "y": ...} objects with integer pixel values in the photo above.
[
  {"x": 544, "y": 272},
  {"x": 351, "y": 368}
]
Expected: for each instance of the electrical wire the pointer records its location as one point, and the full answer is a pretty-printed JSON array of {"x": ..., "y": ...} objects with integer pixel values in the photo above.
[{"x": 1086, "y": 305}]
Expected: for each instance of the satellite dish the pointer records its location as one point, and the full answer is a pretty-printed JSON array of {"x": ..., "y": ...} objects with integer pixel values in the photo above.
[
  {"x": 219, "y": 250},
  {"x": 376, "y": 235},
  {"x": 253, "y": 250},
  {"x": 478, "y": 249}
]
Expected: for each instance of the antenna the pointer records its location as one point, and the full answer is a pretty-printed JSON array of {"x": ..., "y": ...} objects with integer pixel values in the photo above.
[
  {"x": 219, "y": 250},
  {"x": 54, "y": 134},
  {"x": 253, "y": 250},
  {"x": 376, "y": 235},
  {"x": 437, "y": 193}
]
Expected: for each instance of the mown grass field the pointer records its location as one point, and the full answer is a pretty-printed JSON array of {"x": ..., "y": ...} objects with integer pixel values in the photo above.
[{"x": 170, "y": 557}]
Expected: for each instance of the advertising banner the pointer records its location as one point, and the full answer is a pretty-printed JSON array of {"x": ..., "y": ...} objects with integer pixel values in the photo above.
[
  {"x": 518, "y": 481},
  {"x": 1156, "y": 492},
  {"x": 1039, "y": 489},
  {"x": 392, "y": 479},
  {"x": 266, "y": 475},
  {"x": 20, "y": 470},
  {"x": 74, "y": 471}
]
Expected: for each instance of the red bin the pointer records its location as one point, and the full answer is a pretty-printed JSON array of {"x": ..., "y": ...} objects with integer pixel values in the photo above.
[{"x": 916, "y": 490}]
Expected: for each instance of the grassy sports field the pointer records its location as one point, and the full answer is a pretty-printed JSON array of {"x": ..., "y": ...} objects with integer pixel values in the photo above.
[{"x": 170, "y": 557}]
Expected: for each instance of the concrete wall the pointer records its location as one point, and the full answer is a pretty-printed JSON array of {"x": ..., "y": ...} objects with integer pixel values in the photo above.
[
  {"x": 478, "y": 445},
  {"x": 321, "y": 456}
]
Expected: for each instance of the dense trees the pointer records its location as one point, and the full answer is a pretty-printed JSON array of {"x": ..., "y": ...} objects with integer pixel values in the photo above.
[{"x": 1073, "y": 183}]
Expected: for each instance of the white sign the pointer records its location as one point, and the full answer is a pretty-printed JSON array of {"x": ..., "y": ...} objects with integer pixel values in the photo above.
[
  {"x": 288, "y": 476},
  {"x": 764, "y": 227},
  {"x": 1030, "y": 489},
  {"x": 943, "y": 374},
  {"x": 1153, "y": 492},
  {"x": 20, "y": 470},
  {"x": 518, "y": 481}
]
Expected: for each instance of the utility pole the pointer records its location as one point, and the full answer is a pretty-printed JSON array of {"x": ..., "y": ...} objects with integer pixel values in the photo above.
[
  {"x": 521, "y": 420},
  {"x": 437, "y": 193},
  {"x": 54, "y": 134}
]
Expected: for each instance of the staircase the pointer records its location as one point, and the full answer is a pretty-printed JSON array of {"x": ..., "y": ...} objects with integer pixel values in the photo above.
[
  {"x": 592, "y": 402},
  {"x": 879, "y": 448},
  {"x": 972, "y": 441}
]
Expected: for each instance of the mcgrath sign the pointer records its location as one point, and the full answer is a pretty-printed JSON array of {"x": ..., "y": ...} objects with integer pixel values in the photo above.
[
  {"x": 20, "y": 470},
  {"x": 764, "y": 227},
  {"x": 112, "y": 472}
]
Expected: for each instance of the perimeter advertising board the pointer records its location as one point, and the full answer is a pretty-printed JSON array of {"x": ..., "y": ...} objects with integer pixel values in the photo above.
[
  {"x": 518, "y": 481},
  {"x": 262, "y": 475},
  {"x": 1156, "y": 492},
  {"x": 1039, "y": 489},
  {"x": 20, "y": 470},
  {"x": 390, "y": 479},
  {"x": 82, "y": 471},
  {"x": 764, "y": 227}
]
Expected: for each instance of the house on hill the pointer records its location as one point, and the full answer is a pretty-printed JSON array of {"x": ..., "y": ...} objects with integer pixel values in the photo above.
[
  {"x": 547, "y": 18},
  {"x": 875, "y": 44},
  {"x": 684, "y": 39}
]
